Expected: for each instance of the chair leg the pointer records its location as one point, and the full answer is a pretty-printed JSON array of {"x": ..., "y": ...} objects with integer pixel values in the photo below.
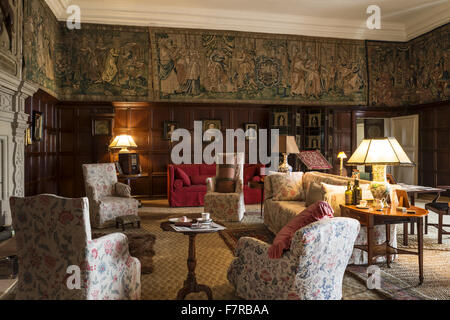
[
  {"x": 426, "y": 224},
  {"x": 440, "y": 228}
]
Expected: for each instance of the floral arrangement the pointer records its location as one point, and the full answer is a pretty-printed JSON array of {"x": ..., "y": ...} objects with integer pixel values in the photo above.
[{"x": 379, "y": 190}]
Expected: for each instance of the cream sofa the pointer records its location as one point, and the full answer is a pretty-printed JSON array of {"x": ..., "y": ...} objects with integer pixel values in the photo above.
[{"x": 278, "y": 213}]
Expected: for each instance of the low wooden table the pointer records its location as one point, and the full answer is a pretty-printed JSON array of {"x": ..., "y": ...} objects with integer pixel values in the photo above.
[
  {"x": 371, "y": 217},
  {"x": 190, "y": 284},
  {"x": 258, "y": 185}
]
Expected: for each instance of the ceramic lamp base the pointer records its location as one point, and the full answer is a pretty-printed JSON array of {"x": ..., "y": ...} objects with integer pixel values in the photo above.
[
  {"x": 284, "y": 167},
  {"x": 379, "y": 172}
]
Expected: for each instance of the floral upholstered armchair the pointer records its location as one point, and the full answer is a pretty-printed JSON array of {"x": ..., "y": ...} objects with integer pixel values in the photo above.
[
  {"x": 313, "y": 268},
  {"x": 52, "y": 234},
  {"x": 226, "y": 206},
  {"x": 108, "y": 198}
]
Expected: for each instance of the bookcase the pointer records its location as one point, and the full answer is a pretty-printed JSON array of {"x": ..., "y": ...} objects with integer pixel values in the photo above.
[{"x": 311, "y": 126}]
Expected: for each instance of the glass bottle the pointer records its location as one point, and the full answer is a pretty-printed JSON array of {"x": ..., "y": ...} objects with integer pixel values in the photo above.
[
  {"x": 349, "y": 194},
  {"x": 357, "y": 193}
]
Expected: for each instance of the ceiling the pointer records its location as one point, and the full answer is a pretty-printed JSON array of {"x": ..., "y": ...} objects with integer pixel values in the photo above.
[{"x": 401, "y": 20}]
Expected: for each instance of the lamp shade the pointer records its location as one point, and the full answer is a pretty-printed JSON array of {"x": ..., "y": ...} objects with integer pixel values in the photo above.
[
  {"x": 287, "y": 144},
  {"x": 342, "y": 155},
  {"x": 382, "y": 151},
  {"x": 123, "y": 142}
]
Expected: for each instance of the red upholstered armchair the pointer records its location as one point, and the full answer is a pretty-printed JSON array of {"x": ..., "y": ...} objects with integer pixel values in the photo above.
[{"x": 190, "y": 191}]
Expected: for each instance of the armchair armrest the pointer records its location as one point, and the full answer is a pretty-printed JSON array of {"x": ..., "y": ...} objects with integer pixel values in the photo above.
[
  {"x": 239, "y": 186},
  {"x": 112, "y": 273},
  {"x": 210, "y": 184},
  {"x": 122, "y": 190},
  {"x": 91, "y": 193}
]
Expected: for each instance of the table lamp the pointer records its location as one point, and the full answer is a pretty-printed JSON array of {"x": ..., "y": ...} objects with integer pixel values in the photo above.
[
  {"x": 341, "y": 156},
  {"x": 286, "y": 146},
  {"x": 123, "y": 142},
  {"x": 379, "y": 153}
]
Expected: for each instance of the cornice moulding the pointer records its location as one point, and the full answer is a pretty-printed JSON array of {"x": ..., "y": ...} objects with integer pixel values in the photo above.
[{"x": 234, "y": 20}]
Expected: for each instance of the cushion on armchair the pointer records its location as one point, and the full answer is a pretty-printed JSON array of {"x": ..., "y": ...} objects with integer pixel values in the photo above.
[
  {"x": 122, "y": 190},
  {"x": 282, "y": 241},
  {"x": 225, "y": 180}
]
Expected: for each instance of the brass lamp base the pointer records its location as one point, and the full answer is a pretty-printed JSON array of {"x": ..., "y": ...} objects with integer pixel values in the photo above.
[
  {"x": 379, "y": 172},
  {"x": 284, "y": 167}
]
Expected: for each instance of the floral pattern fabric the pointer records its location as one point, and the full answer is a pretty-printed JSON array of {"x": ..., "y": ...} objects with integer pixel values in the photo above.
[
  {"x": 226, "y": 206},
  {"x": 106, "y": 196},
  {"x": 312, "y": 269},
  {"x": 278, "y": 213},
  {"x": 53, "y": 233},
  {"x": 287, "y": 187}
]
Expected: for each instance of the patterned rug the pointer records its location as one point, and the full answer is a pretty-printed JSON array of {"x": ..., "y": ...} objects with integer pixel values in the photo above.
[{"x": 400, "y": 282}]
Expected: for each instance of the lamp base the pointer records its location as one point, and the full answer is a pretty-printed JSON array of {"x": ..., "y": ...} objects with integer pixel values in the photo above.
[
  {"x": 284, "y": 167},
  {"x": 124, "y": 150},
  {"x": 379, "y": 172}
]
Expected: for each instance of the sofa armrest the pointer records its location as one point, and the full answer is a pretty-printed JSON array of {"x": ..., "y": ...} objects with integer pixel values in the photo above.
[{"x": 122, "y": 190}]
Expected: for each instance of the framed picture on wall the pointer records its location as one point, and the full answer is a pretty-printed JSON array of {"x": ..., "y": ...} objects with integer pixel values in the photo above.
[
  {"x": 169, "y": 128},
  {"x": 281, "y": 119},
  {"x": 298, "y": 119},
  {"x": 314, "y": 142},
  {"x": 37, "y": 125},
  {"x": 212, "y": 124},
  {"x": 314, "y": 120},
  {"x": 252, "y": 134},
  {"x": 298, "y": 140},
  {"x": 102, "y": 127}
]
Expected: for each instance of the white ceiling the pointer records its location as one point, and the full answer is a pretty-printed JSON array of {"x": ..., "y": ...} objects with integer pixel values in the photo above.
[{"x": 401, "y": 20}]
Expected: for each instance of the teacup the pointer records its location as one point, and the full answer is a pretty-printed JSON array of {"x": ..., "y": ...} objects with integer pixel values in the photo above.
[
  {"x": 205, "y": 216},
  {"x": 363, "y": 203}
]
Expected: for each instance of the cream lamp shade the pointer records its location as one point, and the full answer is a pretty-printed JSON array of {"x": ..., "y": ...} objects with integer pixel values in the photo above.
[
  {"x": 342, "y": 155},
  {"x": 379, "y": 153},
  {"x": 123, "y": 142}
]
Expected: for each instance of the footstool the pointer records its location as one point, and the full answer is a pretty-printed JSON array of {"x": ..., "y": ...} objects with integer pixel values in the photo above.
[
  {"x": 125, "y": 220},
  {"x": 140, "y": 244}
]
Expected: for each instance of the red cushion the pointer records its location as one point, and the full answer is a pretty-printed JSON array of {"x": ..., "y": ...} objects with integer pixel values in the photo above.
[
  {"x": 249, "y": 173},
  {"x": 180, "y": 174},
  {"x": 256, "y": 178},
  {"x": 199, "y": 179},
  {"x": 178, "y": 183},
  {"x": 207, "y": 170},
  {"x": 314, "y": 212}
]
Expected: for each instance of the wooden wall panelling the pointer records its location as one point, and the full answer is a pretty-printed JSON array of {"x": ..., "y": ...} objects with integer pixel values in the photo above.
[{"x": 41, "y": 174}]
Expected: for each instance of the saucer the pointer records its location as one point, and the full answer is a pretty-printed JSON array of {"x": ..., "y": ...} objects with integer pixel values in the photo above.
[
  {"x": 174, "y": 220},
  {"x": 203, "y": 221},
  {"x": 362, "y": 207}
]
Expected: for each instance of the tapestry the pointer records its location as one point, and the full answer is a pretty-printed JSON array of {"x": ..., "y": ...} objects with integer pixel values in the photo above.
[
  {"x": 40, "y": 34},
  {"x": 203, "y": 65},
  {"x": 410, "y": 73},
  {"x": 103, "y": 62}
]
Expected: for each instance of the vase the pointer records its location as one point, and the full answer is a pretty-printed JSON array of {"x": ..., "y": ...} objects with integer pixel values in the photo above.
[{"x": 379, "y": 190}]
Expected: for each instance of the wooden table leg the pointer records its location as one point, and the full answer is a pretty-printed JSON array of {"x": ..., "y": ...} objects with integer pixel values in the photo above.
[
  {"x": 413, "y": 203},
  {"x": 420, "y": 245},
  {"x": 190, "y": 284},
  {"x": 405, "y": 233},
  {"x": 370, "y": 240},
  {"x": 388, "y": 240}
]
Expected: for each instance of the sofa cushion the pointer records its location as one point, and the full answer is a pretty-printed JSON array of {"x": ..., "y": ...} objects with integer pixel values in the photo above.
[
  {"x": 256, "y": 179},
  {"x": 207, "y": 170},
  {"x": 194, "y": 188},
  {"x": 315, "y": 193},
  {"x": 249, "y": 173},
  {"x": 282, "y": 241},
  {"x": 200, "y": 179},
  {"x": 180, "y": 174},
  {"x": 287, "y": 187}
]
